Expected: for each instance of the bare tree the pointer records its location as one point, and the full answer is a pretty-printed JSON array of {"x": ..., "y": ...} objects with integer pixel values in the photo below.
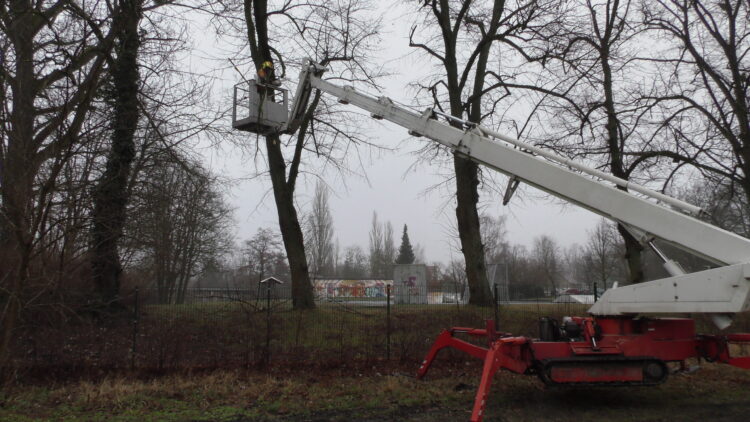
[
  {"x": 336, "y": 260},
  {"x": 110, "y": 196},
  {"x": 705, "y": 120},
  {"x": 355, "y": 263},
  {"x": 455, "y": 278},
  {"x": 389, "y": 249},
  {"x": 336, "y": 34},
  {"x": 150, "y": 114},
  {"x": 546, "y": 254},
  {"x": 601, "y": 252},
  {"x": 262, "y": 251},
  {"x": 724, "y": 206},
  {"x": 53, "y": 55},
  {"x": 382, "y": 248},
  {"x": 319, "y": 233},
  {"x": 460, "y": 36},
  {"x": 576, "y": 268},
  {"x": 375, "y": 246},
  {"x": 182, "y": 224},
  {"x": 494, "y": 238},
  {"x": 591, "y": 87},
  {"x": 524, "y": 279}
]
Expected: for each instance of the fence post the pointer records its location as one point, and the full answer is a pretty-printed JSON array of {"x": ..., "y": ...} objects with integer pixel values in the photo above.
[
  {"x": 497, "y": 310},
  {"x": 388, "y": 322},
  {"x": 267, "y": 356},
  {"x": 596, "y": 292},
  {"x": 136, "y": 317}
]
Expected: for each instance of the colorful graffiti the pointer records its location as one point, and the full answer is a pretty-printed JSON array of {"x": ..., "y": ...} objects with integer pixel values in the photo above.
[
  {"x": 409, "y": 286},
  {"x": 338, "y": 288}
]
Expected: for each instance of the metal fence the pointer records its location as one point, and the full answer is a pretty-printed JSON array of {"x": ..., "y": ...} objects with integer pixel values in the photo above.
[{"x": 232, "y": 328}]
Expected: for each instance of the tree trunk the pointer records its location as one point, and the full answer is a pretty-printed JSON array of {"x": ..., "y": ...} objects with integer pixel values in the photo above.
[
  {"x": 467, "y": 217},
  {"x": 16, "y": 184},
  {"x": 467, "y": 178},
  {"x": 633, "y": 248},
  {"x": 15, "y": 260},
  {"x": 633, "y": 254},
  {"x": 291, "y": 232},
  {"x": 15, "y": 253},
  {"x": 111, "y": 194},
  {"x": 256, "y": 18}
]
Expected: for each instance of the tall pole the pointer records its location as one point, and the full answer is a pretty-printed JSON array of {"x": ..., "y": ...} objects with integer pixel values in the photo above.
[
  {"x": 135, "y": 330},
  {"x": 388, "y": 322},
  {"x": 507, "y": 283},
  {"x": 267, "y": 357},
  {"x": 497, "y": 311}
]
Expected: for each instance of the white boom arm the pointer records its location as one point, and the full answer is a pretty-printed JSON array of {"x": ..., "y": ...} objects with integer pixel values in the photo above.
[{"x": 723, "y": 290}]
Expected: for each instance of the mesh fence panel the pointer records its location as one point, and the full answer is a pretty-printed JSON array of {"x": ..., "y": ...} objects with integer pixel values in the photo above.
[{"x": 212, "y": 328}]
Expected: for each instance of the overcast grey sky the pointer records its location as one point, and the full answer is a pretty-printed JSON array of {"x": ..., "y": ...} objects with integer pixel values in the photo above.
[{"x": 396, "y": 191}]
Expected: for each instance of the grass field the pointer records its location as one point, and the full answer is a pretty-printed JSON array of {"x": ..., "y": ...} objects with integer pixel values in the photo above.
[{"x": 714, "y": 393}]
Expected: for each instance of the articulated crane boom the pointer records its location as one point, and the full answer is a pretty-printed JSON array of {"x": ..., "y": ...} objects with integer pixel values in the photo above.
[{"x": 615, "y": 346}]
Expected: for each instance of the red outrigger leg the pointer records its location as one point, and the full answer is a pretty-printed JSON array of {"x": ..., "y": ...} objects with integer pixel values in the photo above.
[
  {"x": 446, "y": 339},
  {"x": 503, "y": 352},
  {"x": 590, "y": 351}
]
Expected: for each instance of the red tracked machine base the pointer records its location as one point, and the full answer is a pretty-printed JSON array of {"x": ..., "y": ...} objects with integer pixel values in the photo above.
[{"x": 589, "y": 351}]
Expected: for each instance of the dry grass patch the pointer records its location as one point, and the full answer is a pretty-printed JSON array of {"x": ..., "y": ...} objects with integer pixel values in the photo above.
[{"x": 716, "y": 392}]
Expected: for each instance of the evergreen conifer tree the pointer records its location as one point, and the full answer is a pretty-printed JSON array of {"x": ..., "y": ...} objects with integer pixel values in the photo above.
[{"x": 405, "y": 251}]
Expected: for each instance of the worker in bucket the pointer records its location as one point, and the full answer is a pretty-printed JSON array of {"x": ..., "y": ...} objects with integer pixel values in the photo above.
[{"x": 266, "y": 74}]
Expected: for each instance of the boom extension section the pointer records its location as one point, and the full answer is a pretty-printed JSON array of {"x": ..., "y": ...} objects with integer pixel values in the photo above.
[
  {"x": 615, "y": 346},
  {"x": 728, "y": 290}
]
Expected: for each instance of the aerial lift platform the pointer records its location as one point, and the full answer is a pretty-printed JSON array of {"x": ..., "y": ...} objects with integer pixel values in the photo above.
[{"x": 615, "y": 344}]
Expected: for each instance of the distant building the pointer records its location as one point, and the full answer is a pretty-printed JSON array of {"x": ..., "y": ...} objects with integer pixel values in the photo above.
[{"x": 410, "y": 284}]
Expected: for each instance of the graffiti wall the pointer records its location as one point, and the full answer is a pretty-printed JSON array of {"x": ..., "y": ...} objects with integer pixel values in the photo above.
[
  {"x": 410, "y": 284},
  {"x": 339, "y": 288}
]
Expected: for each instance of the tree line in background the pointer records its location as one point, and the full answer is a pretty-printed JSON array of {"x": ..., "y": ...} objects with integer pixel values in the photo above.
[
  {"x": 262, "y": 255},
  {"x": 99, "y": 184},
  {"x": 543, "y": 270}
]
